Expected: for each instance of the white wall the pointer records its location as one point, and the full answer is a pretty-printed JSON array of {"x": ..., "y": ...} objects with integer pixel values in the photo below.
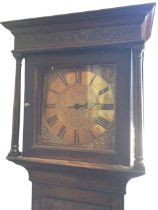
[{"x": 15, "y": 189}]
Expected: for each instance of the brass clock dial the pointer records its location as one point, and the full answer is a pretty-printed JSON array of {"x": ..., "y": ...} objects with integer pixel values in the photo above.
[{"x": 79, "y": 105}]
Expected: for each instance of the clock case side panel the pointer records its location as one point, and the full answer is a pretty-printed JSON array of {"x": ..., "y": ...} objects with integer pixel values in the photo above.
[{"x": 35, "y": 69}]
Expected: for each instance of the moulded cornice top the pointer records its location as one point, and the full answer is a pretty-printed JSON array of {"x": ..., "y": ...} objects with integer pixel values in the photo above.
[
  {"x": 142, "y": 10},
  {"x": 131, "y": 24}
]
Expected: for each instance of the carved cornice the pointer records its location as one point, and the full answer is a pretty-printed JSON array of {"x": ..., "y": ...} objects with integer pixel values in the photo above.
[
  {"x": 81, "y": 38},
  {"x": 88, "y": 29}
]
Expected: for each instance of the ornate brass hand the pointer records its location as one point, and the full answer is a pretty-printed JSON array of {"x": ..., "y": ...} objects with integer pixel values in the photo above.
[{"x": 87, "y": 105}]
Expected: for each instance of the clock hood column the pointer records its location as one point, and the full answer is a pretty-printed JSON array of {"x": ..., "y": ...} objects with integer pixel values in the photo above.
[
  {"x": 16, "y": 108},
  {"x": 138, "y": 54}
]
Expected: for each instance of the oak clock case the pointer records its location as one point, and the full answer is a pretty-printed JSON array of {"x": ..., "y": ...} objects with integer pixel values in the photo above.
[
  {"x": 83, "y": 108},
  {"x": 77, "y": 106}
]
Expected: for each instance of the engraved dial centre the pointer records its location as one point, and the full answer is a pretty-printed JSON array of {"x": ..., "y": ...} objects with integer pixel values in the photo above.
[{"x": 74, "y": 107}]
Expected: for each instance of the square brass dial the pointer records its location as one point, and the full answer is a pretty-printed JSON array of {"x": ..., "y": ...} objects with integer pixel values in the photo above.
[{"x": 78, "y": 107}]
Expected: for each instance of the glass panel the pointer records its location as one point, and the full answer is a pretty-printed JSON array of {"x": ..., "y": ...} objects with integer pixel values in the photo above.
[{"x": 79, "y": 107}]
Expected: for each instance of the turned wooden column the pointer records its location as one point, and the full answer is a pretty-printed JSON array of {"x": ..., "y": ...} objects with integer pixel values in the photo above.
[
  {"x": 138, "y": 54},
  {"x": 16, "y": 108}
]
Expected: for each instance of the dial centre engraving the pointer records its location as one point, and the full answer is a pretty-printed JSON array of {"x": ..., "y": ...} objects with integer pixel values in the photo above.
[{"x": 74, "y": 107}]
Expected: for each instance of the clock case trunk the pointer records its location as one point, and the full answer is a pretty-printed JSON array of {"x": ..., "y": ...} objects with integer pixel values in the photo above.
[{"x": 68, "y": 178}]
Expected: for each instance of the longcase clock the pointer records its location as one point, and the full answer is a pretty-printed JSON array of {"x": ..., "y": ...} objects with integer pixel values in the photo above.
[{"x": 83, "y": 109}]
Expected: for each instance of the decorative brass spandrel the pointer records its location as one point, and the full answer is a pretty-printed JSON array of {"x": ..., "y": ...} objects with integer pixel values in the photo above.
[{"x": 78, "y": 108}]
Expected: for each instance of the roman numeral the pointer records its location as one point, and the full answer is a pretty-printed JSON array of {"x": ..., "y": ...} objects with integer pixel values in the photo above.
[
  {"x": 106, "y": 106},
  {"x": 76, "y": 137},
  {"x": 52, "y": 120},
  {"x": 104, "y": 90},
  {"x": 92, "y": 80},
  {"x": 49, "y": 106},
  {"x": 78, "y": 76},
  {"x": 62, "y": 78},
  {"x": 62, "y": 132},
  {"x": 102, "y": 122}
]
